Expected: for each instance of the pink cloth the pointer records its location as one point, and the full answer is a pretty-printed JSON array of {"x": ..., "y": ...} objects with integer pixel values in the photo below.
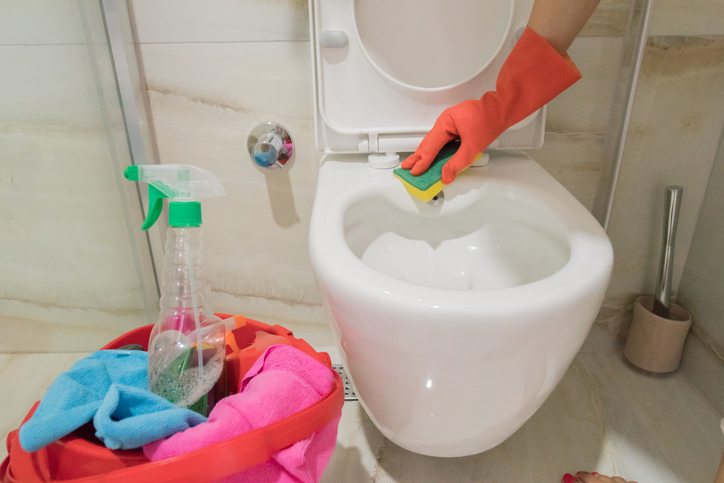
[{"x": 283, "y": 381}]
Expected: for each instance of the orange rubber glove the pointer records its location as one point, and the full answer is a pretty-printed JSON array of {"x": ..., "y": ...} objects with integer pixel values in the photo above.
[{"x": 532, "y": 75}]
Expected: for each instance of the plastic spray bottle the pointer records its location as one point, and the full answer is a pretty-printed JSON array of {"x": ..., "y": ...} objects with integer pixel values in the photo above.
[{"x": 187, "y": 348}]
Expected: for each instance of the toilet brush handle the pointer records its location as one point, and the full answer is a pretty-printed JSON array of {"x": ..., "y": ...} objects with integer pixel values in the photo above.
[{"x": 662, "y": 295}]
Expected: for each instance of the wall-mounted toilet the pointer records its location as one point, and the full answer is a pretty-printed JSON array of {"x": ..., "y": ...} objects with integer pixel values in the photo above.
[{"x": 455, "y": 320}]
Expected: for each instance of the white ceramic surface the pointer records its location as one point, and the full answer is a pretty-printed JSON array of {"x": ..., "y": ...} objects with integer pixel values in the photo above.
[
  {"x": 381, "y": 91},
  {"x": 456, "y": 322}
]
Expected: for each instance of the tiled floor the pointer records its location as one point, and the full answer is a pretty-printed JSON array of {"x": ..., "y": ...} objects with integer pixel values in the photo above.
[{"x": 602, "y": 417}]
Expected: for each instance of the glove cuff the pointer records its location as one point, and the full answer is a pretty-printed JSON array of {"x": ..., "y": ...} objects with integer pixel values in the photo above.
[{"x": 533, "y": 74}]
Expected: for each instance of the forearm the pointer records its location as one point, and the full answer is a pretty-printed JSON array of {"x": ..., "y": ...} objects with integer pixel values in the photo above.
[{"x": 560, "y": 21}]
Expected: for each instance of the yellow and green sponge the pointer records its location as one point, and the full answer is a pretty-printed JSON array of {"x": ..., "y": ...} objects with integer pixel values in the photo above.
[{"x": 429, "y": 183}]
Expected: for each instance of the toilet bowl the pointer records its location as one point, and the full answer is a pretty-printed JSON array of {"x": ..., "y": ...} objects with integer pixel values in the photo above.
[{"x": 456, "y": 321}]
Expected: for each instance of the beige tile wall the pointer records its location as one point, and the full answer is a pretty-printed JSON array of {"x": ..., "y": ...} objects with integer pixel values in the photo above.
[
  {"x": 578, "y": 118},
  {"x": 674, "y": 136},
  {"x": 702, "y": 290},
  {"x": 68, "y": 276},
  {"x": 695, "y": 17},
  {"x": 205, "y": 99},
  {"x": 675, "y": 129}
]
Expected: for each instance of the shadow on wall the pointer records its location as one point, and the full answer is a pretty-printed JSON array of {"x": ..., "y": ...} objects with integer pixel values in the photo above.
[{"x": 281, "y": 197}]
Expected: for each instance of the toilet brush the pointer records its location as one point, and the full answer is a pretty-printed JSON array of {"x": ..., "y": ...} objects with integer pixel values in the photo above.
[
  {"x": 658, "y": 331},
  {"x": 662, "y": 295}
]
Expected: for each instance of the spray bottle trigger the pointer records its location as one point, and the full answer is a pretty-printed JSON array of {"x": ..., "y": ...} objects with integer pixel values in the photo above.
[{"x": 155, "y": 205}]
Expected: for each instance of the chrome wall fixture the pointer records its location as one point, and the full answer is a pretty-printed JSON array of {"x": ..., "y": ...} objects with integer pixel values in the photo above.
[{"x": 270, "y": 145}]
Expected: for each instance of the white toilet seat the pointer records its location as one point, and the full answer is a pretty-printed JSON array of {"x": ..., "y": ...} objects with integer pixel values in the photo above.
[
  {"x": 376, "y": 93},
  {"x": 411, "y": 349}
]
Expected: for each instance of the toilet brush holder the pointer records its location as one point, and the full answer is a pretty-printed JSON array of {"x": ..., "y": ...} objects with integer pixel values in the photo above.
[
  {"x": 655, "y": 343},
  {"x": 656, "y": 338}
]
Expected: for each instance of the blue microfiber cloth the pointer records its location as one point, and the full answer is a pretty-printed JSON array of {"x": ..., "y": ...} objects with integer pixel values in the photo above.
[
  {"x": 108, "y": 387},
  {"x": 131, "y": 417}
]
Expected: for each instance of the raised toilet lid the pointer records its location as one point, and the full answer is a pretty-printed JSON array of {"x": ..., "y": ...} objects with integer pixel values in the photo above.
[
  {"x": 384, "y": 70},
  {"x": 411, "y": 41}
]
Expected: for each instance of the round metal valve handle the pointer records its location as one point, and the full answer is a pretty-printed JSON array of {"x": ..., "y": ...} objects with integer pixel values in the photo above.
[{"x": 270, "y": 145}]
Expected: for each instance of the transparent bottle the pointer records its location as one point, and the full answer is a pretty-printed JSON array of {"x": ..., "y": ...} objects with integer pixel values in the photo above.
[
  {"x": 178, "y": 370},
  {"x": 187, "y": 347}
]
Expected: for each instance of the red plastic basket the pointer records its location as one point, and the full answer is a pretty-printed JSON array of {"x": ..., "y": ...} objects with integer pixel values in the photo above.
[{"x": 80, "y": 458}]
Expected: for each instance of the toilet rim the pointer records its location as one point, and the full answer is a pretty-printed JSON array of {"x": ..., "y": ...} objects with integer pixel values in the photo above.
[{"x": 591, "y": 258}]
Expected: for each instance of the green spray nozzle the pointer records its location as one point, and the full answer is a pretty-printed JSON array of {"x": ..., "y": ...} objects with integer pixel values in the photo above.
[{"x": 184, "y": 185}]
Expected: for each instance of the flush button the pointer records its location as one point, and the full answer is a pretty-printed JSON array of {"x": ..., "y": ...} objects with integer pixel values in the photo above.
[{"x": 333, "y": 39}]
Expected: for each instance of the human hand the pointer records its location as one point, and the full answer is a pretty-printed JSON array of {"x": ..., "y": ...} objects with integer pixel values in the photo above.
[
  {"x": 585, "y": 477},
  {"x": 532, "y": 75},
  {"x": 468, "y": 122}
]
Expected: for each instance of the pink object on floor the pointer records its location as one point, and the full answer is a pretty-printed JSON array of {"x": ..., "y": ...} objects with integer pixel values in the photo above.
[{"x": 283, "y": 381}]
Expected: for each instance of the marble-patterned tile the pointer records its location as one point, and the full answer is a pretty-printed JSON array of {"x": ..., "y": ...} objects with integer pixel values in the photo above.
[
  {"x": 358, "y": 445},
  {"x": 266, "y": 78},
  {"x": 577, "y": 120},
  {"x": 703, "y": 280},
  {"x": 609, "y": 19},
  {"x": 616, "y": 314},
  {"x": 673, "y": 138},
  {"x": 702, "y": 363},
  {"x": 33, "y": 327},
  {"x": 34, "y": 22},
  {"x": 205, "y": 99},
  {"x": 49, "y": 84},
  {"x": 164, "y": 21},
  {"x": 599, "y": 341},
  {"x": 669, "y": 414},
  {"x": 69, "y": 278},
  {"x": 574, "y": 159},
  {"x": 68, "y": 275},
  {"x": 693, "y": 17},
  {"x": 700, "y": 292},
  {"x": 24, "y": 379},
  {"x": 585, "y": 106}
]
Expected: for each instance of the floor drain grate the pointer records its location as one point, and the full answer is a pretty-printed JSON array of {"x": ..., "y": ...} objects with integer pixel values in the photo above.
[{"x": 349, "y": 394}]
